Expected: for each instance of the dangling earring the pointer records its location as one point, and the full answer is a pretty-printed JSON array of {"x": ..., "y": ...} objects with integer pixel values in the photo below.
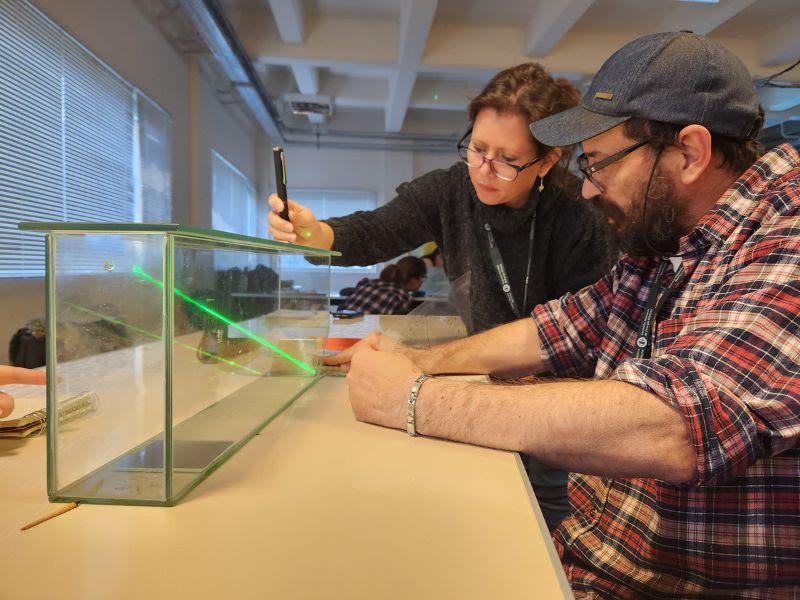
[{"x": 541, "y": 184}]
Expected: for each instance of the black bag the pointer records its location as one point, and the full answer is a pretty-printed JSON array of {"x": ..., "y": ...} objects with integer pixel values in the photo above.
[{"x": 27, "y": 348}]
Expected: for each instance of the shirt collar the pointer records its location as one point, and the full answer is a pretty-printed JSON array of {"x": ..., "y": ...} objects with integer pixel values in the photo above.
[{"x": 739, "y": 201}]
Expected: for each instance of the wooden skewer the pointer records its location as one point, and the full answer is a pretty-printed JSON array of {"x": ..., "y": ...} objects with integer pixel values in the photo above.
[{"x": 60, "y": 511}]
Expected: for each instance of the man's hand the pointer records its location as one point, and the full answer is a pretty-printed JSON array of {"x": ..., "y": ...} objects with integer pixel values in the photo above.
[
  {"x": 379, "y": 384},
  {"x": 374, "y": 340},
  {"x": 16, "y": 375}
]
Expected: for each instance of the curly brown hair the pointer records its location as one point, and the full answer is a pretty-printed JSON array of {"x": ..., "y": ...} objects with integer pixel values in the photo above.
[{"x": 530, "y": 91}]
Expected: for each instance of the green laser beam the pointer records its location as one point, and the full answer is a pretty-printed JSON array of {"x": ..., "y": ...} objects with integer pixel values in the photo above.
[
  {"x": 155, "y": 336},
  {"x": 207, "y": 309}
]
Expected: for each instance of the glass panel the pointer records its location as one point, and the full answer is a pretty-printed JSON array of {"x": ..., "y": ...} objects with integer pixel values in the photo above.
[
  {"x": 109, "y": 367},
  {"x": 143, "y": 418},
  {"x": 246, "y": 343},
  {"x": 183, "y": 230}
]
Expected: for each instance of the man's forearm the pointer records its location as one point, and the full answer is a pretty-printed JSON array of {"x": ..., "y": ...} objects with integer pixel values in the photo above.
[
  {"x": 511, "y": 350},
  {"x": 607, "y": 428}
]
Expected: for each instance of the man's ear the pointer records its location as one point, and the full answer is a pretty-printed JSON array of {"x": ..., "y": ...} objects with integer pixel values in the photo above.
[
  {"x": 549, "y": 160},
  {"x": 694, "y": 146}
]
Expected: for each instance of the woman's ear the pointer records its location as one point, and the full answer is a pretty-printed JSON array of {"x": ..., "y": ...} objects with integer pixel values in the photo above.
[{"x": 549, "y": 161}]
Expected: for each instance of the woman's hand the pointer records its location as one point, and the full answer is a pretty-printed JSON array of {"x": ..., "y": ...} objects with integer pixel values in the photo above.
[
  {"x": 302, "y": 228},
  {"x": 16, "y": 375}
]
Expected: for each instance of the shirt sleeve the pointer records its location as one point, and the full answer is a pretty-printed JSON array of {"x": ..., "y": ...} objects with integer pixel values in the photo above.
[
  {"x": 732, "y": 370},
  {"x": 572, "y": 327},
  {"x": 402, "y": 303}
]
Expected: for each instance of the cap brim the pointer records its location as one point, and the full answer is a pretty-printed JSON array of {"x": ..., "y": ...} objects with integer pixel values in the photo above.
[{"x": 572, "y": 126}]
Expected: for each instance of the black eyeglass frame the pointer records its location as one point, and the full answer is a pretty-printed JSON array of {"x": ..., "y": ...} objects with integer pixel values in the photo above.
[
  {"x": 517, "y": 168},
  {"x": 588, "y": 170}
]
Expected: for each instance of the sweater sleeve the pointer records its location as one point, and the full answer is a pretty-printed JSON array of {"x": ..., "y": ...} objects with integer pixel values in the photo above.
[{"x": 406, "y": 222}]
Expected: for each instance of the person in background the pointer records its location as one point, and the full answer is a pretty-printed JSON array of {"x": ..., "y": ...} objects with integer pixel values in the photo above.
[
  {"x": 390, "y": 293},
  {"x": 512, "y": 232},
  {"x": 685, "y": 446},
  {"x": 16, "y": 375}
]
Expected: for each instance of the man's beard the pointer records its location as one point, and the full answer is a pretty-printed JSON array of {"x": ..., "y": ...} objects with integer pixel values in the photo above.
[{"x": 651, "y": 231}]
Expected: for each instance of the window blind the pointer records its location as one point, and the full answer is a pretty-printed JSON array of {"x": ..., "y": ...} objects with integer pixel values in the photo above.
[
  {"x": 233, "y": 208},
  {"x": 154, "y": 192},
  {"x": 69, "y": 150},
  {"x": 233, "y": 200},
  {"x": 31, "y": 152}
]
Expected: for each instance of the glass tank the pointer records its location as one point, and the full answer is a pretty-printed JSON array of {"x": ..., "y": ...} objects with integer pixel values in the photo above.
[{"x": 178, "y": 344}]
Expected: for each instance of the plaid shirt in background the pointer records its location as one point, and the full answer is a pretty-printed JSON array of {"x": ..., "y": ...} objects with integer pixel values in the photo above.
[
  {"x": 726, "y": 355},
  {"x": 376, "y": 297}
]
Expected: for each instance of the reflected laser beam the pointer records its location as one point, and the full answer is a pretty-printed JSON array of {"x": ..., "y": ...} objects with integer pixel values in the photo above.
[
  {"x": 155, "y": 336},
  {"x": 217, "y": 315}
]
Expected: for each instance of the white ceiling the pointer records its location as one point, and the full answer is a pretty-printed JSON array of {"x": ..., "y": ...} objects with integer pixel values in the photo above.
[{"x": 412, "y": 65}]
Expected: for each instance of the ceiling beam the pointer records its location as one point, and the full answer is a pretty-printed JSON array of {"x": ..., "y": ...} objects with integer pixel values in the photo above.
[
  {"x": 782, "y": 44},
  {"x": 307, "y": 79},
  {"x": 401, "y": 84},
  {"x": 289, "y": 18},
  {"x": 416, "y": 19},
  {"x": 550, "y": 21},
  {"x": 415, "y": 25},
  {"x": 360, "y": 42},
  {"x": 454, "y": 50},
  {"x": 702, "y": 18}
]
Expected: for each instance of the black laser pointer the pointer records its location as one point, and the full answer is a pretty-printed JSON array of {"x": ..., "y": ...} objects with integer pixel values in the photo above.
[{"x": 280, "y": 179}]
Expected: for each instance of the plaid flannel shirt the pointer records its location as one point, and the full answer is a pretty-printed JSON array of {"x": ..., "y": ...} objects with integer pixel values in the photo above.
[
  {"x": 376, "y": 297},
  {"x": 726, "y": 355}
]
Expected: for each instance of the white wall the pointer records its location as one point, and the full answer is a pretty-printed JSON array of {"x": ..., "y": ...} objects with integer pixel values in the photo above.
[
  {"x": 428, "y": 161},
  {"x": 121, "y": 36}
]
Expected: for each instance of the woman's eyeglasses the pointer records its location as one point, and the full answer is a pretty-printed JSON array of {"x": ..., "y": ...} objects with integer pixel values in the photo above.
[{"x": 475, "y": 159}]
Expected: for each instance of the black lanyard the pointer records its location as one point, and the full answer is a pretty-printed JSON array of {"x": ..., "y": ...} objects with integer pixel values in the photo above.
[
  {"x": 500, "y": 267},
  {"x": 656, "y": 298}
]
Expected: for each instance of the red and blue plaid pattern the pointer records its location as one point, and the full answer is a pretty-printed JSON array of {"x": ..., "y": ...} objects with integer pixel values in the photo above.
[
  {"x": 376, "y": 297},
  {"x": 726, "y": 355}
]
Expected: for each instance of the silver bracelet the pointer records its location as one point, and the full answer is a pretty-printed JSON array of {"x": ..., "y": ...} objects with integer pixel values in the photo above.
[{"x": 412, "y": 403}]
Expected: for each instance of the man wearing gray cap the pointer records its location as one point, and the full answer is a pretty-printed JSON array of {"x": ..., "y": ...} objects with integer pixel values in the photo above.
[{"x": 685, "y": 445}]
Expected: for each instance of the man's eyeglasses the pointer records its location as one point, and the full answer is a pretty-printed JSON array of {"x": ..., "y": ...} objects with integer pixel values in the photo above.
[
  {"x": 475, "y": 159},
  {"x": 589, "y": 170}
]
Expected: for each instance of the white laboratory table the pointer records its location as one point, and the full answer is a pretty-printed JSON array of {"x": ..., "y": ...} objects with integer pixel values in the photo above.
[{"x": 315, "y": 506}]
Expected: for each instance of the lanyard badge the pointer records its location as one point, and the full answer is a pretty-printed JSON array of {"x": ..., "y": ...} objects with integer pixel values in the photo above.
[
  {"x": 656, "y": 298},
  {"x": 500, "y": 267}
]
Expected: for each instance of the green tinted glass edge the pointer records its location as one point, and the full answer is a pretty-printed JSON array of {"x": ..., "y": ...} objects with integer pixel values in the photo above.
[{"x": 187, "y": 231}]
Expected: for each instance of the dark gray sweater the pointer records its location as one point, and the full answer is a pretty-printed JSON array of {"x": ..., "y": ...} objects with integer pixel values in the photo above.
[{"x": 570, "y": 245}]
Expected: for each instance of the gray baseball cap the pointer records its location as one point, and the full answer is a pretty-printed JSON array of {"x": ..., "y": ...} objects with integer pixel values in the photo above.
[{"x": 676, "y": 77}]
